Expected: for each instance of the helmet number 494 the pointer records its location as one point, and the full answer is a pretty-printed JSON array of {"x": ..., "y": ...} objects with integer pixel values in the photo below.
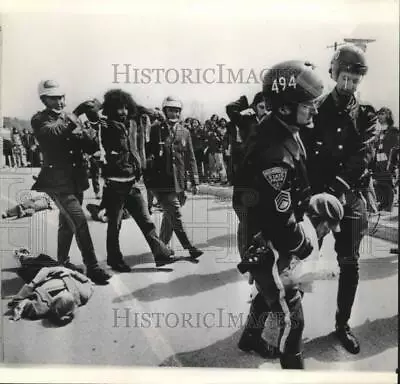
[{"x": 282, "y": 83}]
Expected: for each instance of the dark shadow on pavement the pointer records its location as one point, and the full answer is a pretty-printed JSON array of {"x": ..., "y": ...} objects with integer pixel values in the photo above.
[
  {"x": 375, "y": 337},
  {"x": 184, "y": 286},
  {"x": 11, "y": 287},
  {"x": 218, "y": 208},
  {"x": 225, "y": 241},
  {"x": 142, "y": 258},
  {"x": 222, "y": 354},
  {"x": 148, "y": 270},
  {"x": 378, "y": 268}
]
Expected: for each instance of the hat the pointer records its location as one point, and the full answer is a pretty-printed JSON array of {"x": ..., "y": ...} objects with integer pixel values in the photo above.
[{"x": 50, "y": 88}]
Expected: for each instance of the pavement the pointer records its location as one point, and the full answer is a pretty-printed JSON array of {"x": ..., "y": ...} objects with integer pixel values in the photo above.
[
  {"x": 189, "y": 314},
  {"x": 383, "y": 225}
]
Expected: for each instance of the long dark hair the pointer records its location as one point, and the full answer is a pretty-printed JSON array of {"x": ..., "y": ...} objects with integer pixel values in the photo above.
[
  {"x": 389, "y": 115},
  {"x": 117, "y": 98}
]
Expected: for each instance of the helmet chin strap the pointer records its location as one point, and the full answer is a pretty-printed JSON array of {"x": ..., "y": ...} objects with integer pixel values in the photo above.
[{"x": 58, "y": 111}]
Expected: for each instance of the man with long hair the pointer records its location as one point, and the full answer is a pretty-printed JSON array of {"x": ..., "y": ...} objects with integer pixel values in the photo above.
[{"x": 123, "y": 142}]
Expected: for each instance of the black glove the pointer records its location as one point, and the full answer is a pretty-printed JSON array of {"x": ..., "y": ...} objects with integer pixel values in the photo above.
[{"x": 305, "y": 250}]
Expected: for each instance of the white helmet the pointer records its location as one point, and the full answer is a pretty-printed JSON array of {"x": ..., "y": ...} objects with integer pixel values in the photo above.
[
  {"x": 172, "y": 102},
  {"x": 50, "y": 88}
]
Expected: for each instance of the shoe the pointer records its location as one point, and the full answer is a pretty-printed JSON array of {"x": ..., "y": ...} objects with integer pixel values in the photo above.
[
  {"x": 164, "y": 260},
  {"x": 248, "y": 342},
  {"x": 120, "y": 267},
  {"x": 348, "y": 340},
  {"x": 98, "y": 275},
  {"x": 292, "y": 361},
  {"x": 195, "y": 252},
  {"x": 73, "y": 267}
]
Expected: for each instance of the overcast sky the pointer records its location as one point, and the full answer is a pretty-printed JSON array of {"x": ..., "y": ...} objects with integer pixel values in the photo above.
[{"x": 78, "y": 48}]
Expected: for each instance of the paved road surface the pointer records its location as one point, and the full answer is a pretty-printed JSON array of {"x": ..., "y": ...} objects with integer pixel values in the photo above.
[{"x": 189, "y": 314}]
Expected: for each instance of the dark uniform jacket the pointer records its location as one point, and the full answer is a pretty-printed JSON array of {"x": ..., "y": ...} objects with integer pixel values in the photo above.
[
  {"x": 124, "y": 147},
  {"x": 272, "y": 187},
  {"x": 64, "y": 167},
  {"x": 340, "y": 147},
  {"x": 385, "y": 143},
  {"x": 245, "y": 123},
  {"x": 168, "y": 148}
]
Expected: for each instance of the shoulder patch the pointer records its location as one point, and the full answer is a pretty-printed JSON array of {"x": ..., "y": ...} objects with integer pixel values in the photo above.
[
  {"x": 283, "y": 201},
  {"x": 275, "y": 176}
]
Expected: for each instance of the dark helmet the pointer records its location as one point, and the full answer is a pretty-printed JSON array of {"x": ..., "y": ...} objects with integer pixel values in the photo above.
[
  {"x": 326, "y": 207},
  {"x": 292, "y": 82},
  {"x": 348, "y": 58}
]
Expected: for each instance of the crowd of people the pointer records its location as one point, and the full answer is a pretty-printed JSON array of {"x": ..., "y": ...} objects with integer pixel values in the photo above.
[
  {"x": 294, "y": 155},
  {"x": 20, "y": 149}
]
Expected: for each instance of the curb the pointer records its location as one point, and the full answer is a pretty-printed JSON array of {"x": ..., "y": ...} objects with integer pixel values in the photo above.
[{"x": 387, "y": 228}]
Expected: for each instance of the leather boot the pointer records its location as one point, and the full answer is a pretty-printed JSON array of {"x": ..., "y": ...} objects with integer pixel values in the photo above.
[
  {"x": 251, "y": 339},
  {"x": 292, "y": 361}
]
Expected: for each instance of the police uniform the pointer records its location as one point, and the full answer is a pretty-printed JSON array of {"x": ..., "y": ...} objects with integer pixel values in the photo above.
[
  {"x": 340, "y": 149},
  {"x": 271, "y": 194},
  {"x": 63, "y": 177},
  {"x": 170, "y": 145}
]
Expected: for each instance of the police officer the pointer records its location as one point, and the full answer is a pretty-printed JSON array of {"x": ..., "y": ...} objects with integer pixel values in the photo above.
[
  {"x": 169, "y": 146},
  {"x": 63, "y": 175},
  {"x": 271, "y": 194},
  {"x": 340, "y": 149}
]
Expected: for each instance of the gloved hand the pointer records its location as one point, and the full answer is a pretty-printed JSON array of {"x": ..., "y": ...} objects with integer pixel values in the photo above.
[{"x": 305, "y": 250}]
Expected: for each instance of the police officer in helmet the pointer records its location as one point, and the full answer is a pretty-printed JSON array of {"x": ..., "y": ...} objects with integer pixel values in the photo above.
[
  {"x": 169, "y": 147},
  {"x": 63, "y": 175},
  {"x": 341, "y": 148},
  {"x": 271, "y": 195}
]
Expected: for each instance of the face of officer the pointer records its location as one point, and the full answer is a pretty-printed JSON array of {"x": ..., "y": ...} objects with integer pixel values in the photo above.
[
  {"x": 347, "y": 83},
  {"x": 261, "y": 109},
  {"x": 305, "y": 114},
  {"x": 55, "y": 103},
  {"x": 172, "y": 113}
]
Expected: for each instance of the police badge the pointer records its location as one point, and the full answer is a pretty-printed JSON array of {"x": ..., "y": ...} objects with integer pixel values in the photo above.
[{"x": 275, "y": 176}]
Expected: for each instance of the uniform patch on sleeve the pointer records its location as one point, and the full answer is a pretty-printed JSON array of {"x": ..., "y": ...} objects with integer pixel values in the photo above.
[
  {"x": 275, "y": 176},
  {"x": 283, "y": 201}
]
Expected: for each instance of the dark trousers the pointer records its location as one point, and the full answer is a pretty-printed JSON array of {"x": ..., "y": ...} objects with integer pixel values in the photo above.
[
  {"x": 172, "y": 218},
  {"x": 30, "y": 266},
  {"x": 128, "y": 195},
  {"x": 95, "y": 166},
  {"x": 72, "y": 220},
  {"x": 202, "y": 164},
  {"x": 385, "y": 191},
  {"x": 285, "y": 308},
  {"x": 347, "y": 245}
]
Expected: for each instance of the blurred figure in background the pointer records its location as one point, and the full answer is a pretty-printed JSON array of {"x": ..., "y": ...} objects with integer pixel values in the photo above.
[
  {"x": 387, "y": 139},
  {"x": 18, "y": 148}
]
